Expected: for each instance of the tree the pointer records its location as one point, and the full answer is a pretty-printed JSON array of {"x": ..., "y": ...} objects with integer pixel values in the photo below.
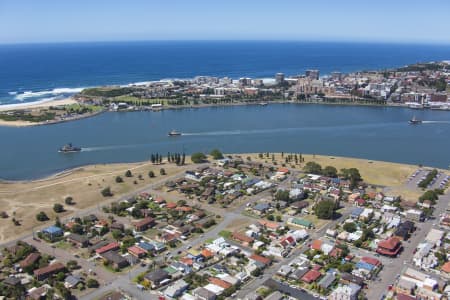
[
  {"x": 128, "y": 174},
  {"x": 313, "y": 168},
  {"x": 216, "y": 154},
  {"x": 330, "y": 171},
  {"x": 58, "y": 208},
  {"x": 270, "y": 217},
  {"x": 106, "y": 192},
  {"x": 347, "y": 267},
  {"x": 119, "y": 179},
  {"x": 151, "y": 174},
  {"x": 282, "y": 195},
  {"x": 198, "y": 157},
  {"x": 68, "y": 200},
  {"x": 42, "y": 216},
  {"x": 162, "y": 171},
  {"x": 353, "y": 175},
  {"x": 350, "y": 227},
  {"x": 92, "y": 283},
  {"x": 325, "y": 209}
]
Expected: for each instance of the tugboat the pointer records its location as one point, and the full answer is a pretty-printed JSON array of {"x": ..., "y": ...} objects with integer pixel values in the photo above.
[
  {"x": 174, "y": 133},
  {"x": 415, "y": 121},
  {"x": 68, "y": 148}
]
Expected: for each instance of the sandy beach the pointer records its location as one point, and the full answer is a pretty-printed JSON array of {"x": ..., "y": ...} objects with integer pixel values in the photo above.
[{"x": 36, "y": 104}]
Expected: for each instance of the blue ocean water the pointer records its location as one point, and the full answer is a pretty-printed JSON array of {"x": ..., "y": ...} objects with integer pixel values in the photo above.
[{"x": 41, "y": 71}]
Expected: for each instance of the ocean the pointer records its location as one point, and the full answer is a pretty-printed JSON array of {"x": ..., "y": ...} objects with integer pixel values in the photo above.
[{"x": 39, "y": 72}]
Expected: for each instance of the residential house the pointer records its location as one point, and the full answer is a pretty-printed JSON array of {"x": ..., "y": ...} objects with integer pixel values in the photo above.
[
  {"x": 45, "y": 272},
  {"x": 176, "y": 289},
  {"x": 144, "y": 224},
  {"x": 117, "y": 261},
  {"x": 201, "y": 293},
  {"x": 157, "y": 278},
  {"x": 390, "y": 247},
  {"x": 78, "y": 240},
  {"x": 30, "y": 260},
  {"x": 52, "y": 232},
  {"x": 109, "y": 247}
]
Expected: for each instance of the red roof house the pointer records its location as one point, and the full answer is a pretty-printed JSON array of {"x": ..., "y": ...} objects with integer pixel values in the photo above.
[
  {"x": 110, "y": 247},
  {"x": 144, "y": 224},
  {"x": 261, "y": 259},
  {"x": 136, "y": 251},
  {"x": 372, "y": 261},
  {"x": 311, "y": 276},
  {"x": 389, "y": 247}
]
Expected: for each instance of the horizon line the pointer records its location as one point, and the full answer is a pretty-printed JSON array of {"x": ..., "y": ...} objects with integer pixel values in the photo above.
[{"x": 325, "y": 41}]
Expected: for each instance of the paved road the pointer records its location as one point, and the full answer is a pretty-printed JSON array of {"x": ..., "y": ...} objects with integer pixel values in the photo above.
[
  {"x": 271, "y": 271},
  {"x": 393, "y": 269}
]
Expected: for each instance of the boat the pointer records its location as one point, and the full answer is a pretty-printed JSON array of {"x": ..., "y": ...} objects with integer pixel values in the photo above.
[
  {"x": 263, "y": 103},
  {"x": 68, "y": 148},
  {"x": 415, "y": 121},
  {"x": 174, "y": 133}
]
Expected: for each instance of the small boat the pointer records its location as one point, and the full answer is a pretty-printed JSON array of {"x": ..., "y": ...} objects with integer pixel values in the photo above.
[
  {"x": 174, "y": 133},
  {"x": 263, "y": 103},
  {"x": 415, "y": 121},
  {"x": 68, "y": 148}
]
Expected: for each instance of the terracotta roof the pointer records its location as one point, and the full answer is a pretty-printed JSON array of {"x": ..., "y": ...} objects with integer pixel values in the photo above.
[
  {"x": 109, "y": 247},
  {"x": 271, "y": 225},
  {"x": 219, "y": 282},
  {"x": 242, "y": 237},
  {"x": 311, "y": 276},
  {"x": 187, "y": 261},
  {"x": 207, "y": 253},
  {"x": 49, "y": 269},
  {"x": 136, "y": 250},
  {"x": 260, "y": 259},
  {"x": 283, "y": 170},
  {"x": 371, "y": 260},
  {"x": 446, "y": 267},
  {"x": 144, "y": 222},
  {"x": 171, "y": 205},
  {"x": 316, "y": 244},
  {"x": 184, "y": 208},
  {"x": 390, "y": 243},
  {"x": 30, "y": 259}
]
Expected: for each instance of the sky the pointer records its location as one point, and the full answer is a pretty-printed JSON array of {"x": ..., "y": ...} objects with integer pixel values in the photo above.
[{"x": 40, "y": 21}]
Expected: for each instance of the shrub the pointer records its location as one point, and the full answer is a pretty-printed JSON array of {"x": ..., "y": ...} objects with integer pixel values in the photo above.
[
  {"x": 151, "y": 174},
  {"x": 106, "y": 192},
  {"x": 216, "y": 154},
  {"x": 68, "y": 200},
  {"x": 128, "y": 174},
  {"x": 119, "y": 179},
  {"x": 198, "y": 157},
  {"x": 42, "y": 216},
  {"x": 58, "y": 208}
]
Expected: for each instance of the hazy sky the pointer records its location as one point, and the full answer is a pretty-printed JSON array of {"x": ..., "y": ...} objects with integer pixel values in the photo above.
[{"x": 425, "y": 21}]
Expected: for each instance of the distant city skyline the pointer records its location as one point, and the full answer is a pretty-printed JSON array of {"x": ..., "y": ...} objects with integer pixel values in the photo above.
[{"x": 30, "y": 21}]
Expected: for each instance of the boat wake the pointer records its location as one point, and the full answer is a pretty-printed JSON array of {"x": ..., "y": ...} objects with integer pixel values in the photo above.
[
  {"x": 435, "y": 122},
  {"x": 105, "y": 148},
  {"x": 282, "y": 130}
]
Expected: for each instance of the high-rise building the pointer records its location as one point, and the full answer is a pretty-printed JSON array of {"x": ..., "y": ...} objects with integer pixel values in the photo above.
[
  {"x": 313, "y": 74},
  {"x": 279, "y": 78}
]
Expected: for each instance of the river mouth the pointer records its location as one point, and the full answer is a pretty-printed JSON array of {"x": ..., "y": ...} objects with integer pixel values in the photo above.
[{"x": 377, "y": 133}]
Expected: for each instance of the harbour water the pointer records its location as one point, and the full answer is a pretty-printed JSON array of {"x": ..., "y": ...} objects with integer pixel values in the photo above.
[{"x": 378, "y": 133}]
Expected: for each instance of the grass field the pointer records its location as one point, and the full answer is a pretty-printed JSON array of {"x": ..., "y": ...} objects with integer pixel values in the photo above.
[{"x": 23, "y": 200}]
